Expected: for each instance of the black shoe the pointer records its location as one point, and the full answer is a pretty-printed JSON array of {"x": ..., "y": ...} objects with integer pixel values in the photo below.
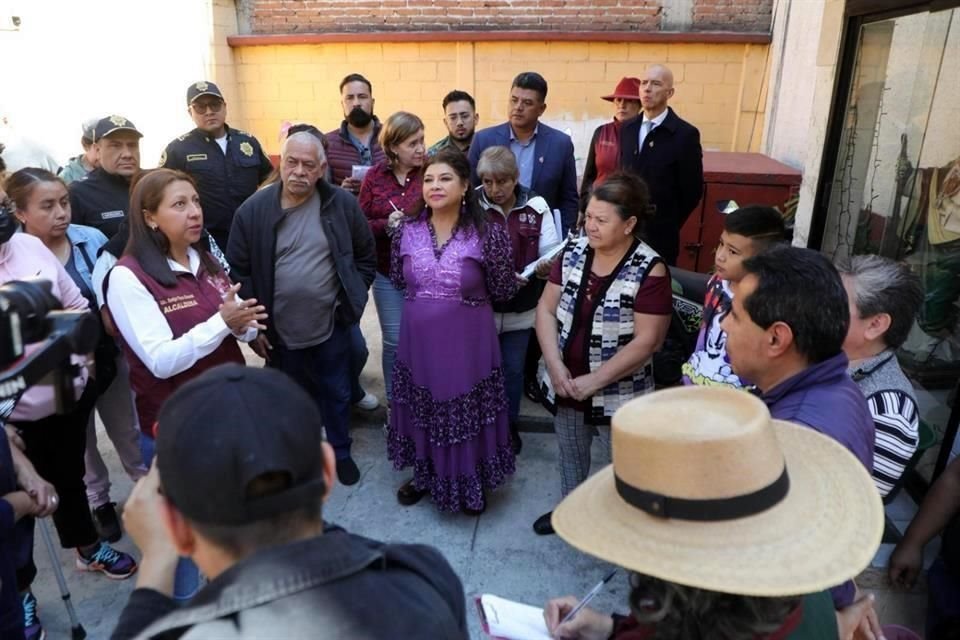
[
  {"x": 347, "y": 472},
  {"x": 515, "y": 442},
  {"x": 542, "y": 526},
  {"x": 106, "y": 522},
  {"x": 531, "y": 389},
  {"x": 475, "y": 512},
  {"x": 409, "y": 494}
]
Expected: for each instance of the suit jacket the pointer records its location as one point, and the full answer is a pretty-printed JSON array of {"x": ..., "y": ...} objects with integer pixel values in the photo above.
[
  {"x": 554, "y": 168},
  {"x": 671, "y": 163}
]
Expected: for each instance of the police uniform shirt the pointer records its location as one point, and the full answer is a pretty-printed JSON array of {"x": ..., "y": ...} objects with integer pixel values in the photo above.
[
  {"x": 224, "y": 180},
  {"x": 100, "y": 200}
]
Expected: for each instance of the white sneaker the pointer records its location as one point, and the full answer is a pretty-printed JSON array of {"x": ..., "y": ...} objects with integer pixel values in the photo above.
[{"x": 369, "y": 402}]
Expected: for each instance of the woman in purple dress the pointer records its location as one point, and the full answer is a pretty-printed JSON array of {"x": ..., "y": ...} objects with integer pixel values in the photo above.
[{"x": 448, "y": 411}]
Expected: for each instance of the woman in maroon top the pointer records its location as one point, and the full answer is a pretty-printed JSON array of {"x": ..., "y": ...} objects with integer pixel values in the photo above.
[
  {"x": 392, "y": 189},
  {"x": 604, "y": 155},
  {"x": 597, "y": 354}
]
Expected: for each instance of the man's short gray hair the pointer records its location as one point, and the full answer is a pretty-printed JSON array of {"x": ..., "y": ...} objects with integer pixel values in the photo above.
[
  {"x": 881, "y": 285},
  {"x": 309, "y": 138}
]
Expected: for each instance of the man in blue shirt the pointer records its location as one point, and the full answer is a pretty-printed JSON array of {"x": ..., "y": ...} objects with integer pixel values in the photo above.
[{"x": 544, "y": 154}]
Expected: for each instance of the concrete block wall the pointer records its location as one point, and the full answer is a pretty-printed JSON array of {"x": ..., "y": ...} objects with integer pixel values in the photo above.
[{"x": 718, "y": 86}]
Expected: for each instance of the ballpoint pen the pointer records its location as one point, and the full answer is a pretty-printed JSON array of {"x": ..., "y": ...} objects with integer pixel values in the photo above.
[{"x": 587, "y": 598}]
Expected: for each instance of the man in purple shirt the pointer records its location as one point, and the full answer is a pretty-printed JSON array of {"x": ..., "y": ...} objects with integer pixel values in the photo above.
[{"x": 785, "y": 332}]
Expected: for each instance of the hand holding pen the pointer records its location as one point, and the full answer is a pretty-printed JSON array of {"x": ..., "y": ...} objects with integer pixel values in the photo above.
[{"x": 571, "y": 619}]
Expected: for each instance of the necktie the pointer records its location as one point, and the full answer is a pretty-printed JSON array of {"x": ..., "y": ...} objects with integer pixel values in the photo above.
[{"x": 645, "y": 128}]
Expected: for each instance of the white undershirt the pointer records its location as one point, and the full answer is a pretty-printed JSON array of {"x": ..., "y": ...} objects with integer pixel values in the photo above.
[
  {"x": 141, "y": 323},
  {"x": 223, "y": 143}
]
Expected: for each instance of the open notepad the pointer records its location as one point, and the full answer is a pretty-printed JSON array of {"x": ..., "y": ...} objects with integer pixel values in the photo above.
[{"x": 504, "y": 619}]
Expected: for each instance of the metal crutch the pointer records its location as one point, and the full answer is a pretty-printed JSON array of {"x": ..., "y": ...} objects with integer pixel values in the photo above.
[{"x": 76, "y": 629}]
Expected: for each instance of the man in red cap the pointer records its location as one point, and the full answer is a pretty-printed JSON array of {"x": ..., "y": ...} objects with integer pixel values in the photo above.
[{"x": 604, "y": 155}]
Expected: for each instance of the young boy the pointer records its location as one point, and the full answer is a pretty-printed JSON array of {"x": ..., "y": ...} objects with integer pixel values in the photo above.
[{"x": 747, "y": 232}]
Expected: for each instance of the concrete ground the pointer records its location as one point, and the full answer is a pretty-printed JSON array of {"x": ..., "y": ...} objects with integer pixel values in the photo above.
[{"x": 496, "y": 552}]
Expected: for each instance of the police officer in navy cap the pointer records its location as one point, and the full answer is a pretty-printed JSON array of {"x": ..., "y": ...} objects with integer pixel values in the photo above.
[
  {"x": 228, "y": 164},
  {"x": 101, "y": 198}
]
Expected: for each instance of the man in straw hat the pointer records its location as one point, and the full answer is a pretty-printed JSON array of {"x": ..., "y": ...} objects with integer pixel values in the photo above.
[{"x": 731, "y": 524}]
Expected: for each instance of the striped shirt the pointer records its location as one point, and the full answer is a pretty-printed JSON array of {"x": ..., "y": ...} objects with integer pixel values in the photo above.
[{"x": 893, "y": 406}]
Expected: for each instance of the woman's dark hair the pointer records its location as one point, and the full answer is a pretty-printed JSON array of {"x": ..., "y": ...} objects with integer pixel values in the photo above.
[
  {"x": 151, "y": 247},
  {"x": 630, "y": 197},
  {"x": 472, "y": 214},
  {"x": 802, "y": 289},
  {"x": 688, "y": 613},
  {"x": 21, "y": 184}
]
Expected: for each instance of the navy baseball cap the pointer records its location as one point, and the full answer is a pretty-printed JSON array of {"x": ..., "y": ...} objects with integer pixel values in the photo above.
[
  {"x": 112, "y": 124},
  {"x": 228, "y": 427},
  {"x": 202, "y": 88}
]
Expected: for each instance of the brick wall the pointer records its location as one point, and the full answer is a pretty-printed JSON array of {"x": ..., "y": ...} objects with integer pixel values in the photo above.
[
  {"x": 319, "y": 16},
  {"x": 731, "y": 15}
]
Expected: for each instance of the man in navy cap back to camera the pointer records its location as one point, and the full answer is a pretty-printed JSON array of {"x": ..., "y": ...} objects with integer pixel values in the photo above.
[
  {"x": 228, "y": 164},
  {"x": 238, "y": 485}
]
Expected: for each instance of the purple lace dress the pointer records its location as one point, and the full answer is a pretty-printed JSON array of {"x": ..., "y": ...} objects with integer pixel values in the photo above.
[{"x": 448, "y": 416}]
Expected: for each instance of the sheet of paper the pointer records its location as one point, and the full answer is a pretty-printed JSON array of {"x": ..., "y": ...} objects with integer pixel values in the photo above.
[
  {"x": 531, "y": 268},
  {"x": 513, "y": 620}
]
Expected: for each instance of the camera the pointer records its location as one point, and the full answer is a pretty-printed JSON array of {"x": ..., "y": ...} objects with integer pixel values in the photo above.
[{"x": 30, "y": 314}]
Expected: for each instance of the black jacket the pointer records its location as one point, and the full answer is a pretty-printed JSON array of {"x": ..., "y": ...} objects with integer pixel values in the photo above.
[
  {"x": 100, "y": 200},
  {"x": 671, "y": 163},
  {"x": 251, "y": 251},
  {"x": 224, "y": 181},
  {"x": 336, "y": 585}
]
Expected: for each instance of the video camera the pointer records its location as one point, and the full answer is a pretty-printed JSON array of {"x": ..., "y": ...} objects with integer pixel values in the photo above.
[{"x": 29, "y": 313}]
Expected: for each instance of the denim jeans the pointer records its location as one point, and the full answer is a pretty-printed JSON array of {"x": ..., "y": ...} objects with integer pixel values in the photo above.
[
  {"x": 389, "y": 301},
  {"x": 186, "y": 580},
  {"x": 513, "y": 351},
  {"x": 358, "y": 360},
  {"x": 324, "y": 372}
]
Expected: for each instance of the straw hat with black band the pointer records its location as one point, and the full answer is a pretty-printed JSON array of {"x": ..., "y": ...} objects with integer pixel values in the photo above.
[{"x": 706, "y": 490}]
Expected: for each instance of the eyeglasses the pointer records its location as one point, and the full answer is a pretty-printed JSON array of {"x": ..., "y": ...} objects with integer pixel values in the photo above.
[{"x": 200, "y": 108}]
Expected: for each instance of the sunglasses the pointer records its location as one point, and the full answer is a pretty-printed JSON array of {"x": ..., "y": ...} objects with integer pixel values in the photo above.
[{"x": 214, "y": 106}]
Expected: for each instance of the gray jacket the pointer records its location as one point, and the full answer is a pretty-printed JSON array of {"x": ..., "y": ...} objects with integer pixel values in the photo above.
[{"x": 336, "y": 585}]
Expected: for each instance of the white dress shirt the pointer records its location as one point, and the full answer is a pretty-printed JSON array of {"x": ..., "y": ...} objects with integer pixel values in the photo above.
[
  {"x": 141, "y": 323},
  {"x": 649, "y": 125}
]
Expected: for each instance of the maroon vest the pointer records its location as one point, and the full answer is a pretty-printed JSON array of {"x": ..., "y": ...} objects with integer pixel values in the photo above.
[
  {"x": 523, "y": 227},
  {"x": 184, "y": 305},
  {"x": 606, "y": 153}
]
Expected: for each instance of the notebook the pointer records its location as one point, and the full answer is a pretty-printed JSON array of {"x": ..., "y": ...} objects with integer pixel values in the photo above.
[{"x": 504, "y": 619}]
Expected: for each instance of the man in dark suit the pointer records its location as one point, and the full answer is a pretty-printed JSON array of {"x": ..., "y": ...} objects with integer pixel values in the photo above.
[
  {"x": 665, "y": 151},
  {"x": 544, "y": 154}
]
